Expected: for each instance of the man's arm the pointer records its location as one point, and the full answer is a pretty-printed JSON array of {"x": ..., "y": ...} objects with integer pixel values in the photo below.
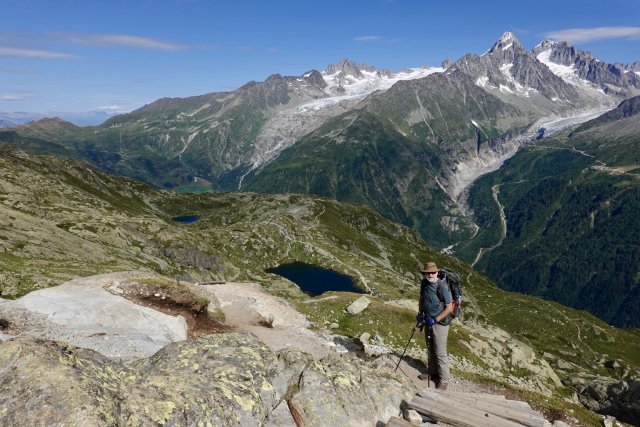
[{"x": 448, "y": 309}]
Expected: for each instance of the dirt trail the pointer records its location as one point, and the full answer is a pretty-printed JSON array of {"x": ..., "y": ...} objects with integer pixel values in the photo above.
[
  {"x": 248, "y": 307},
  {"x": 274, "y": 321}
]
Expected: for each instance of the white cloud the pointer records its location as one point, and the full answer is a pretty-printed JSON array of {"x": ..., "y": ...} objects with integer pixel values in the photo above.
[
  {"x": 122, "y": 40},
  {"x": 16, "y": 52},
  {"x": 581, "y": 35},
  {"x": 368, "y": 38},
  {"x": 115, "y": 109},
  {"x": 11, "y": 97}
]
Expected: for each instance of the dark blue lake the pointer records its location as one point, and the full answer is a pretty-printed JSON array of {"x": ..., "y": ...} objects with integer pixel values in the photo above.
[
  {"x": 314, "y": 280},
  {"x": 187, "y": 219}
]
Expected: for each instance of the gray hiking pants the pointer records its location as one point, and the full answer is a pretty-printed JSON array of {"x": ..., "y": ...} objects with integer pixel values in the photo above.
[{"x": 436, "y": 338}]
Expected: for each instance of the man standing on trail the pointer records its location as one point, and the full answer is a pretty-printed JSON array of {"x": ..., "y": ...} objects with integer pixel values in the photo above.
[{"x": 435, "y": 304}]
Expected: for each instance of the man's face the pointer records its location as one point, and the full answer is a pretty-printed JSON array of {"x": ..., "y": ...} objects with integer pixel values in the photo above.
[{"x": 431, "y": 277}]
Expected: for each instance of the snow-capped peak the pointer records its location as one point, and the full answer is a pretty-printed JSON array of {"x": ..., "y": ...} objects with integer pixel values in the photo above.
[
  {"x": 343, "y": 83},
  {"x": 546, "y": 44},
  {"x": 507, "y": 37},
  {"x": 568, "y": 73},
  {"x": 369, "y": 81},
  {"x": 507, "y": 41},
  {"x": 347, "y": 67}
]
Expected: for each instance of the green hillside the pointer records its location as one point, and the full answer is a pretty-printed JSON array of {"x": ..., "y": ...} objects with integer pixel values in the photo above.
[
  {"x": 360, "y": 159},
  {"x": 392, "y": 153},
  {"x": 571, "y": 204},
  {"x": 171, "y": 141}
]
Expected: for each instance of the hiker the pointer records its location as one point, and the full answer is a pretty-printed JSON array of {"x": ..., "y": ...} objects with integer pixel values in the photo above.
[{"x": 435, "y": 304}]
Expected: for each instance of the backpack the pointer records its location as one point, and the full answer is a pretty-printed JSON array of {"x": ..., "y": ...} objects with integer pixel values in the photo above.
[{"x": 454, "y": 280}]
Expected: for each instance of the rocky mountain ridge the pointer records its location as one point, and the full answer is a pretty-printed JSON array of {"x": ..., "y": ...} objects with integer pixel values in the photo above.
[
  {"x": 250, "y": 127},
  {"x": 611, "y": 78}
]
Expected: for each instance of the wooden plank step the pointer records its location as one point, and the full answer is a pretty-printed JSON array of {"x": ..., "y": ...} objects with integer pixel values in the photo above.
[
  {"x": 399, "y": 422},
  {"x": 458, "y": 415},
  {"x": 490, "y": 397},
  {"x": 487, "y": 396},
  {"x": 488, "y": 403},
  {"x": 523, "y": 416}
]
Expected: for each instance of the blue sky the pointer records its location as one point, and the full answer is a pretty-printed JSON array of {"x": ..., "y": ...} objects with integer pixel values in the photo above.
[{"x": 81, "y": 55}]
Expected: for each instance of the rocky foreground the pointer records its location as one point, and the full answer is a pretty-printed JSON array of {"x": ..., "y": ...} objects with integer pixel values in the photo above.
[
  {"x": 119, "y": 377},
  {"x": 221, "y": 379},
  {"x": 137, "y": 349}
]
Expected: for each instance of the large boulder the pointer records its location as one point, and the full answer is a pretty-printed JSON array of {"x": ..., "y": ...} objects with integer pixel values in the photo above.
[
  {"x": 81, "y": 312},
  {"x": 359, "y": 305},
  {"x": 340, "y": 392},
  {"x": 223, "y": 379}
]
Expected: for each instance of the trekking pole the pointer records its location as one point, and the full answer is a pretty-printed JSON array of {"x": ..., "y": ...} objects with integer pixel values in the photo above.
[
  {"x": 406, "y": 346},
  {"x": 428, "y": 356}
]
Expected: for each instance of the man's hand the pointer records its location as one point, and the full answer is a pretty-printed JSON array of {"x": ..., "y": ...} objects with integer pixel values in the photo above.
[
  {"x": 420, "y": 318},
  {"x": 430, "y": 321}
]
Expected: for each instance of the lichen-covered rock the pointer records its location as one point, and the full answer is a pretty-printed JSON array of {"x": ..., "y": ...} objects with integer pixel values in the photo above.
[
  {"x": 228, "y": 379},
  {"x": 48, "y": 383},
  {"x": 339, "y": 391},
  {"x": 224, "y": 379},
  {"x": 280, "y": 417}
]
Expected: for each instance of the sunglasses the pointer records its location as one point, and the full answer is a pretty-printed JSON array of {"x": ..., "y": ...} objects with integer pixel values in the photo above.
[{"x": 431, "y": 274}]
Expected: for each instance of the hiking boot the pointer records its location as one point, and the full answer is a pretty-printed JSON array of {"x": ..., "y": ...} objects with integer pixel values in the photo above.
[{"x": 442, "y": 386}]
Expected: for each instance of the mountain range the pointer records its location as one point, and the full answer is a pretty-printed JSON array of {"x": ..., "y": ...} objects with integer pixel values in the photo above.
[{"x": 408, "y": 144}]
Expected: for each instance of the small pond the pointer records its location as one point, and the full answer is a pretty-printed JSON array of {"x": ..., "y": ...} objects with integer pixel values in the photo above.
[
  {"x": 314, "y": 280},
  {"x": 187, "y": 219}
]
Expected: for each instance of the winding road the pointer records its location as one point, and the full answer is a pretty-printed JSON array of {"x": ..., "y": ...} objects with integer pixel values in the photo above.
[{"x": 495, "y": 192}]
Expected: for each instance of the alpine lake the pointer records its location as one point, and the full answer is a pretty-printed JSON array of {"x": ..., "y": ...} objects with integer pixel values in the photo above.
[
  {"x": 314, "y": 280},
  {"x": 187, "y": 219}
]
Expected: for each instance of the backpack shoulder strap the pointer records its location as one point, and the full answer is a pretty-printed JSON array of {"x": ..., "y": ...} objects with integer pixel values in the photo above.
[{"x": 439, "y": 290}]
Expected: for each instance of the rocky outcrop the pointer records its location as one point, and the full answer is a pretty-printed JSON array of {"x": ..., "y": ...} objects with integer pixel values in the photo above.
[
  {"x": 81, "y": 312},
  {"x": 344, "y": 393},
  {"x": 134, "y": 369},
  {"x": 620, "y": 399},
  {"x": 507, "y": 70},
  {"x": 610, "y": 77},
  {"x": 222, "y": 379},
  {"x": 503, "y": 353}
]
